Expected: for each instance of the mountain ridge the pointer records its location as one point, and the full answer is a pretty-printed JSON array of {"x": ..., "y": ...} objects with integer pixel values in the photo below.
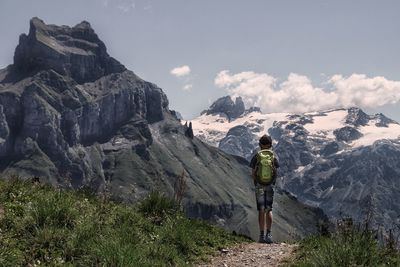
[{"x": 219, "y": 125}]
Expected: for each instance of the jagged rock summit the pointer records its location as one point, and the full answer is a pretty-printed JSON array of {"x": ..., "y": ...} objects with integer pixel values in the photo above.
[
  {"x": 225, "y": 105},
  {"x": 76, "y": 52}
]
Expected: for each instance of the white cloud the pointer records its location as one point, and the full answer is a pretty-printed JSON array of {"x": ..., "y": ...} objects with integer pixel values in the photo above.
[
  {"x": 181, "y": 71},
  {"x": 298, "y": 94},
  {"x": 187, "y": 87},
  {"x": 126, "y": 6},
  {"x": 148, "y": 7},
  {"x": 359, "y": 90}
]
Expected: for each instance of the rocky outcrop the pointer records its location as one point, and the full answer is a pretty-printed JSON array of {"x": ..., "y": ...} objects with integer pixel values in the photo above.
[
  {"x": 226, "y": 106},
  {"x": 357, "y": 117},
  {"x": 239, "y": 141},
  {"x": 76, "y": 52},
  {"x": 347, "y": 134},
  {"x": 252, "y": 109},
  {"x": 189, "y": 130},
  {"x": 382, "y": 120}
]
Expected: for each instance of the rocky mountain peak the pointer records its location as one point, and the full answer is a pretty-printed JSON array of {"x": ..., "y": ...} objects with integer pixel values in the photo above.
[
  {"x": 226, "y": 106},
  {"x": 382, "y": 120},
  {"x": 64, "y": 92},
  {"x": 357, "y": 117},
  {"x": 73, "y": 51}
]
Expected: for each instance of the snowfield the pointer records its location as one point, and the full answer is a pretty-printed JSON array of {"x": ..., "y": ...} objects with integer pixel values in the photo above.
[{"x": 214, "y": 127}]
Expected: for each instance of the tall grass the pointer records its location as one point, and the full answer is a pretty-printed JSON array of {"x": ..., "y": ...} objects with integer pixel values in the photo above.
[
  {"x": 44, "y": 226},
  {"x": 349, "y": 245}
]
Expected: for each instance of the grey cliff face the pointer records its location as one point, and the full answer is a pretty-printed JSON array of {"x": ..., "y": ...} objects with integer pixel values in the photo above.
[
  {"x": 70, "y": 95},
  {"x": 239, "y": 141},
  {"x": 59, "y": 115},
  {"x": 74, "y": 116}
]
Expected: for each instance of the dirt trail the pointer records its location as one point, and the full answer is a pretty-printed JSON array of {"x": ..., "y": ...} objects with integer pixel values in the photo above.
[{"x": 253, "y": 254}]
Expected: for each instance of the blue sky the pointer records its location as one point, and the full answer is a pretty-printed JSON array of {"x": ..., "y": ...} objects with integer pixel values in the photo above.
[{"x": 281, "y": 55}]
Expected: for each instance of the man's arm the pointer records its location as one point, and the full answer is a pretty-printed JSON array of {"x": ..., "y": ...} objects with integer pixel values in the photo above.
[
  {"x": 252, "y": 165},
  {"x": 276, "y": 163},
  {"x": 275, "y": 175}
]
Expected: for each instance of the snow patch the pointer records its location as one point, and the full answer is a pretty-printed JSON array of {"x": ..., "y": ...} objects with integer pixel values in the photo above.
[
  {"x": 324, "y": 124},
  {"x": 371, "y": 133},
  {"x": 299, "y": 169}
]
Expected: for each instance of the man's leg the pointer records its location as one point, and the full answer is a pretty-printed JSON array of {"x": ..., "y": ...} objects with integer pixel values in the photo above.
[
  {"x": 261, "y": 224},
  {"x": 269, "y": 202},
  {"x": 261, "y": 212},
  {"x": 261, "y": 220},
  {"x": 269, "y": 220}
]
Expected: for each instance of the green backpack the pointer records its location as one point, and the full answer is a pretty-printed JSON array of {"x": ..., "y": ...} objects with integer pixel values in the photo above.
[{"x": 265, "y": 166}]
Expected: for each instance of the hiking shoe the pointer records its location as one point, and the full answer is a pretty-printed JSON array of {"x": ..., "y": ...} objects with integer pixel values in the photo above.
[
  {"x": 268, "y": 238},
  {"x": 261, "y": 239}
]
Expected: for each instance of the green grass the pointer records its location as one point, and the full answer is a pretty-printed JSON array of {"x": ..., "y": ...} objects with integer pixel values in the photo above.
[
  {"x": 47, "y": 227},
  {"x": 354, "y": 247}
]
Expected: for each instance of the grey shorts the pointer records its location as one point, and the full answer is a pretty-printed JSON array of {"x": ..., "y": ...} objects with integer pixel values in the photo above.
[{"x": 264, "y": 197}]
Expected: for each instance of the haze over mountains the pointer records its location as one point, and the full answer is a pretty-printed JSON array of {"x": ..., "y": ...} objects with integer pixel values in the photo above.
[
  {"x": 343, "y": 160},
  {"x": 74, "y": 116}
]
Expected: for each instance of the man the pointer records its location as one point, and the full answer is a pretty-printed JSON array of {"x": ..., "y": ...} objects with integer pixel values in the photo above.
[{"x": 264, "y": 165}]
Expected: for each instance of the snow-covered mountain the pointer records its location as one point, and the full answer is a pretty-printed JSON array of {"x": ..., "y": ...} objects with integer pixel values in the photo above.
[
  {"x": 351, "y": 126},
  {"x": 343, "y": 160}
]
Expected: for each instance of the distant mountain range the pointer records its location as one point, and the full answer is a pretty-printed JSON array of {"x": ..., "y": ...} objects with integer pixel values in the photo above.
[
  {"x": 343, "y": 160},
  {"x": 75, "y": 117}
]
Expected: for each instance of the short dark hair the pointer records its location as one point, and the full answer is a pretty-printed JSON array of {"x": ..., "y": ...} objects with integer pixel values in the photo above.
[{"x": 265, "y": 140}]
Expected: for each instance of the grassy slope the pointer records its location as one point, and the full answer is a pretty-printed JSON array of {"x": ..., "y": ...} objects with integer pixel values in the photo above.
[{"x": 44, "y": 226}]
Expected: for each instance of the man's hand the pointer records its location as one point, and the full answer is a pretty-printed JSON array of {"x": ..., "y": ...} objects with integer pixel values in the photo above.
[{"x": 253, "y": 174}]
